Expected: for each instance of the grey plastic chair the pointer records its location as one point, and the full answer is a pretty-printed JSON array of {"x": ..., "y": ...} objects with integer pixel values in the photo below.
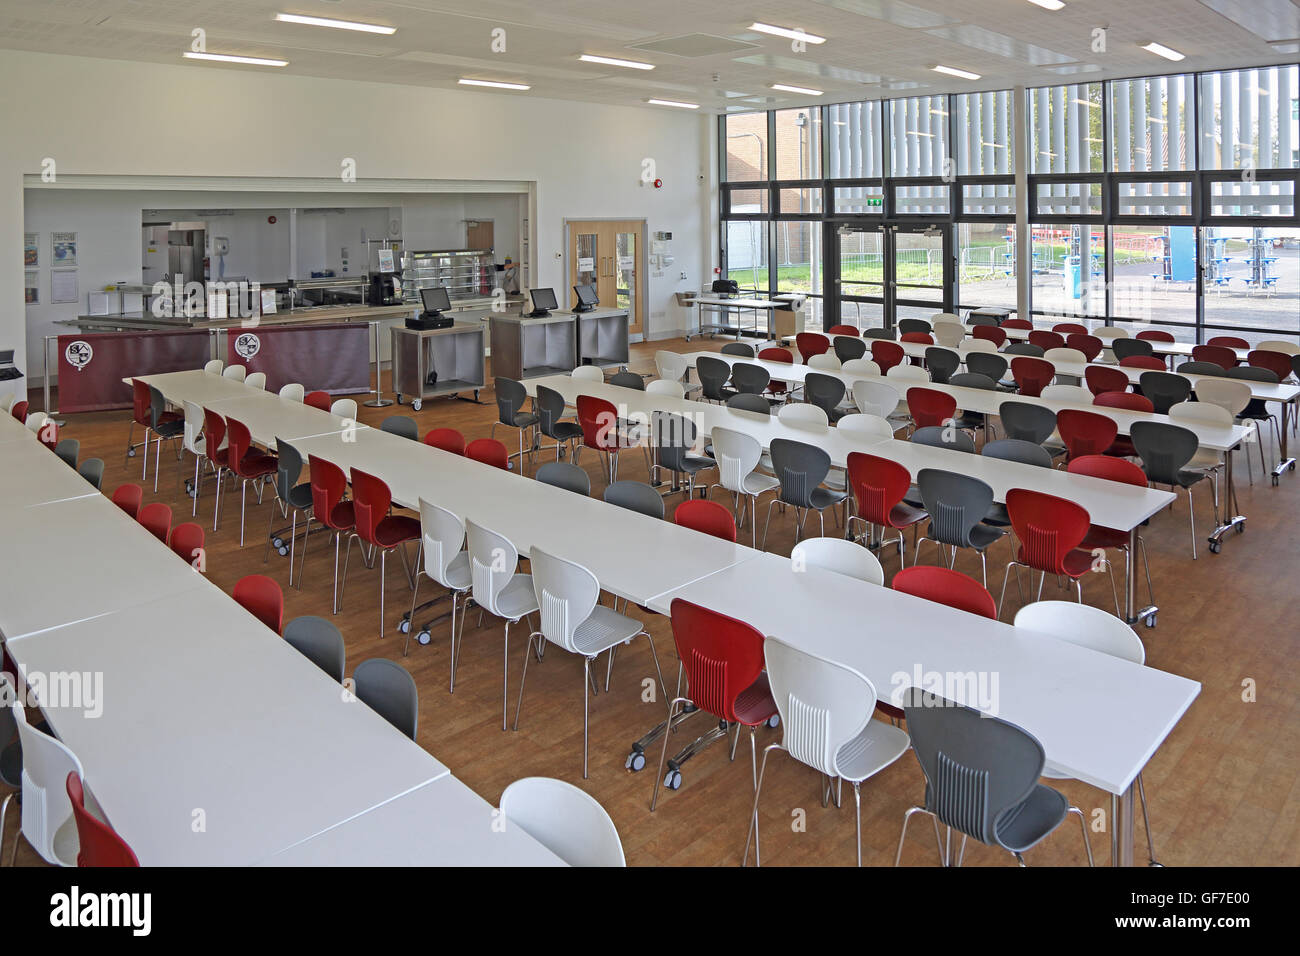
[
  {"x": 549, "y": 406},
  {"x": 713, "y": 373},
  {"x": 11, "y": 754},
  {"x": 981, "y": 776},
  {"x": 957, "y": 505},
  {"x": 92, "y": 469},
  {"x": 748, "y": 379},
  {"x": 636, "y": 496},
  {"x": 801, "y": 468},
  {"x": 826, "y": 392},
  {"x": 890, "y": 335},
  {"x": 673, "y": 437},
  {"x": 626, "y": 379},
  {"x": 1013, "y": 449},
  {"x": 738, "y": 348},
  {"x": 991, "y": 364},
  {"x": 1124, "y": 348},
  {"x": 941, "y": 436},
  {"x": 561, "y": 474},
  {"x": 290, "y": 496},
  {"x": 1165, "y": 389},
  {"x": 1201, "y": 368},
  {"x": 972, "y": 420},
  {"x": 942, "y": 363},
  {"x": 1256, "y": 410},
  {"x": 750, "y": 403},
  {"x": 975, "y": 319},
  {"x": 847, "y": 349},
  {"x": 914, "y": 325},
  {"x": 401, "y": 425},
  {"x": 320, "y": 642},
  {"x": 1165, "y": 450},
  {"x": 1026, "y": 422},
  {"x": 511, "y": 397},
  {"x": 388, "y": 689},
  {"x": 162, "y": 431},
  {"x": 1024, "y": 348},
  {"x": 69, "y": 449}
]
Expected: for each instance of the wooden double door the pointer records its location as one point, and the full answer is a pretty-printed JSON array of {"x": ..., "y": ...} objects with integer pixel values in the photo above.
[{"x": 607, "y": 254}]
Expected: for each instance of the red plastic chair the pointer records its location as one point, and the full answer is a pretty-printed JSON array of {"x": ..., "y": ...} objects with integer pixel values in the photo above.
[
  {"x": 328, "y": 486},
  {"x": 1105, "y": 378},
  {"x": 1109, "y": 539},
  {"x": 1050, "y": 531},
  {"x": 1032, "y": 375},
  {"x": 380, "y": 530},
  {"x": 707, "y": 517},
  {"x": 945, "y": 586},
  {"x": 157, "y": 520},
  {"x": 214, "y": 437},
  {"x": 1089, "y": 345},
  {"x": 722, "y": 659},
  {"x": 1085, "y": 433},
  {"x": 810, "y": 344},
  {"x": 599, "y": 421},
  {"x": 930, "y": 407},
  {"x": 1228, "y": 342},
  {"x": 489, "y": 451},
  {"x": 844, "y": 330},
  {"x": 141, "y": 414},
  {"x": 992, "y": 333},
  {"x": 1276, "y": 362},
  {"x": 1143, "y": 362},
  {"x": 261, "y": 597},
  {"x": 1128, "y": 400},
  {"x": 129, "y": 499},
  {"x": 1069, "y": 328},
  {"x": 247, "y": 464},
  {"x": 187, "y": 543},
  {"x": 19, "y": 410},
  {"x": 879, "y": 486},
  {"x": 48, "y": 435},
  {"x": 99, "y": 844},
  {"x": 1155, "y": 335},
  {"x": 448, "y": 439},
  {"x": 1221, "y": 356},
  {"x": 887, "y": 354},
  {"x": 918, "y": 338},
  {"x": 776, "y": 355},
  {"x": 319, "y": 400},
  {"x": 1046, "y": 340},
  {"x": 1023, "y": 325}
]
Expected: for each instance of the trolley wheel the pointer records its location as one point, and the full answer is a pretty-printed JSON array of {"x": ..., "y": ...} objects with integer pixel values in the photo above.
[
  {"x": 1275, "y": 481},
  {"x": 1241, "y": 528},
  {"x": 1151, "y": 620},
  {"x": 416, "y": 404},
  {"x": 1215, "y": 547},
  {"x": 635, "y": 761},
  {"x": 284, "y": 550},
  {"x": 404, "y": 626},
  {"x": 774, "y": 720},
  {"x": 398, "y": 396},
  {"x": 424, "y": 637},
  {"x": 278, "y": 542},
  {"x": 130, "y": 453},
  {"x": 673, "y": 780}
]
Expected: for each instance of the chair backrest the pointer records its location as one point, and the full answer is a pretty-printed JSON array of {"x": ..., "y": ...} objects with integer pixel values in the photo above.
[
  {"x": 235, "y": 372},
  {"x": 1085, "y": 433},
  {"x": 810, "y": 344},
  {"x": 588, "y": 373},
  {"x": 1032, "y": 375},
  {"x": 707, "y": 517},
  {"x": 1048, "y": 528},
  {"x": 1225, "y": 358},
  {"x": 635, "y": 496},
  {"x": 68, "y": 449},
  {"x": 1230, "y": 395},
  {"x": 973, "y": 380},
  {"x": 492, "y": 561},
  {"x": 982, "y": 346},
  {"x": 564, "y": 819},
  {"x": 214, "y": 366},
  {"x": 1250, "y": 373},
  {"x": 599, "y": 421},
  {"x": 1125, "y": 348},
  {"x": 887, "y": 354},
  {"x": 92, "y": 469},
  {"x": 1108, "y": 468},
  {"x": 942, "y": 363},
  {"x": 980, "y": 319},
  {"x": 948, "y": 587},
  {"x": 673, "y": 437},
  {"x": 956, "y": 504},
  {"x": 1147, "y": 362},
  {"x": 839, "y": 555},
  {"x": 320, "y": 642},
  {"x": 139, "y": 403},
  {"x": 908, "y": 373},
  {"x": 930, "y": 407},
  {"x": 241, "y": 440},
  {"x": 737, "y": 454},
  {"x": 804, "y": 415},
  {"x": 824, "y": 391},
  {"x": 293, "y": 392},
  {"x": 860, "y": 366},
  {"x": 489, "y": 451},
  {"x": 288, "y": 468},
  {"x": 884, "y": 335},
  {"x": 1062, "y": 356},
  {"x": 261, "y": 597},
  {"x": 987, "y": 363},
  {"x": 663, "y": 386},
  {"x": 1014, "y": 449},
  {"x": 156, "y": 518},
  {"x": 775, "y": 354},
  {"x": 1155, "y": 335},
  {"x": 746, "y": 402},
  {"x": 401, "y": 425},
  {"x": 98, "y": 843},
  {"x": 550, "y": 408},
  {"x": 800, "y": 468},
  {"x": 1108, "y": 333},
  {"x": 1027, "y": 421},
  {"x": 19, "y": 411},
  {"x": 843, "y": 329},
  {"x": 317, "y": 399},
  {"x": 1200, "y": 368},
  {"x": 671, "y": 365},
  {"x": 1164, "y": 449},
  {"x": 875, "y": 398},
  {"x": 1089, "y": 346},
  {"x": 866, "y": 426},
  {"x": 190, "y": 437},
  {"x": 1067, "y": 393},
  {"x": 917, "y": 338},
  {"x": 187, "y": 543},
  {"x": 449, "y": 439},
  {"x": 129, "y": 498},
  {"x": 371, "y": 499},
  {"x": 1203, "y": 412},
  {"x": 721, "y": 656},
  {"x": 632, "y": 380},
  {"x": 1084, "y": 625},
  {"x": 1228, "y": 341},
  {"x": 749, "y": 378},
  {"x": 47, "y": 762},
  {"x": 878, "y": 485},
  {"x": 944, "y": 436},
  {"x": 738, "y": 348},
  {"x": 157, "y": 406},
  {"x": 388, "y": 689},
  {"x": 328, "y": 485},
  {"x": 826, "y": 361},
  {"x": 949, "y": 334},
  {"x": 713, "y": 373},
  {"x": 1046, "y": 340},
  {"x": 566, "y": 592},
  {"x": 511, "y": 397},
  {"x": 255, "y": 380},
  {"x": 442, "y": 538},
  {"x": 561, "y": 474},
  {"x": 1165, "y": 389},
  {"x": 909, "y": 326},
  {"x": 990, "y": 333},
  {"x": 1279, "y": 363},
  {"x": 1104, "y": 378},
  {"x": 1070, "y": 328},
  {"x": 848, "y": 349},
  {"x": 1024, "y": 348},
  {"x": 344, "y": 408},
  {"x": 1278, "y": 345}
]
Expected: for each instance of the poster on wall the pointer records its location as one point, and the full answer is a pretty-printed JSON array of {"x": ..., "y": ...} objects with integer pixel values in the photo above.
[
  {"x": 63, "y": 248},
  {"x": 32, "y": 288},
  {"x": 31, "y": 250},
  {"x": 63, "y": 285}
]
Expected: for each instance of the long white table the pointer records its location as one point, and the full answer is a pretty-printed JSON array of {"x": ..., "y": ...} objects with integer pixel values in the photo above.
[
  {"x": 34, "y": 475},
  {"x": 12, "y": 430},
  {"x": 724, "y": 305},
  {"x": 1098, "y": 717}
]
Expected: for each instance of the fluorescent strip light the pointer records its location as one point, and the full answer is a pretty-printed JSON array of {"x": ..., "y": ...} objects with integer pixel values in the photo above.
[
  {"x": 613, "y": 61},
  {"x": 230, "y": 58},
  {"x": 953, "y": 71},
  {"x": 337, "y": 24},
  {"x": 495, "y": 84},
  {"x": 1159, "y": 49},
  {"x": 1048, "y": 4},
  {"x": 680, "y": 106},
  {"x": 788, "y": 34},
  {"x": 796, "y": 89}
]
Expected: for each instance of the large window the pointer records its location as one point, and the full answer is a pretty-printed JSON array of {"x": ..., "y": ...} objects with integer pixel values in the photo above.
[
  {"x": 918, "y": 136},
  {"x": 746, "y": 147},
  {"x": 798, "y": 144},
  {"x": 1249, "y": 119},
  {"x": 854, "y": 141},
  {"x": 1069, "y": 263},
  {"x": 984, "y": 126},
  {"x": 1151, "y": 124},
  {"x": 986, "y": 265},
  {"x": 1065, "y": 129}
]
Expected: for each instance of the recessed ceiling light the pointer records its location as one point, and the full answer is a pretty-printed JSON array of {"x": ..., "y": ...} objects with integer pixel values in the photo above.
[
  {"x": 953, "y": 71},
  {"x": 787, "y": 33},
  {"x": 613, "y": 61},
  {"x": 796, "y": 89},
  {"x": 1159, "y": 49},
  {"x": 1048, "y": 4},
  {"x": 495, "y": 84},
  {"x": 231, "y": 58},
  {"x": 337, "y": 24},
  {"x": 680, "y": 106}
]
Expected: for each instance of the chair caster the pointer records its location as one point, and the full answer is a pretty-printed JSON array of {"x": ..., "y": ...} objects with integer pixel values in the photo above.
[
  {"x": 283, "y": 550},
  {"x": 1215, "y": 547},
  {"x": 1156, "y": 863},
  {"x": 404, "y": 625},
  {"x": 189, "y": 487},
  {"x": 424, "y": 637},
  {"x": 774, "y": 720},
  {"x": 130, "y": 453},
  {"x": 417, "y": 404},
  {"x": 277, "y": 542},
  {"x": 635, "y": 761},
  {"x": 673, "y": 780},
  {"x": 1151, "y": 620}
]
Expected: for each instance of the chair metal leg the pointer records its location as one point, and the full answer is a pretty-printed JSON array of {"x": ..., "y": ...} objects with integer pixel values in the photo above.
[
  {"x": 216, "y": 507},
  {"x": 243, "y": 488},
  {"x": 1191, "y": 517},
  {"x": 4, "y": 815},
  {"x": 1006, "y": 576},
  {"x": 586, "y": 710},
  {"x": 663, "y": 756},
  {"x": 519, "y": 703},
  {"x": 753, "y": 817},
  {"x": 1083, "y": 828},
  {"x": 415, "y": 597},
  {"x": 857, "y": 811},
  {"x": 767, "y": 523},
  {"x": 505, "y": 675},
  {"x": 903, "y": 836}
]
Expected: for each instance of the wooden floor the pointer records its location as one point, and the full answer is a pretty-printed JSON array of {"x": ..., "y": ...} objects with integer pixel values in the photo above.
[{"x": 1224, "y": 790}]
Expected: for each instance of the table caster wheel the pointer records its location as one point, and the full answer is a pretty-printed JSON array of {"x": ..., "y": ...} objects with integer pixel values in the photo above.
[
  {"x": 1241, "y": 529},
  {"x": 398, "y": 396},
  {"x": 404, "y": 626},
  {"x": 635, "y": 761},
  {"x": 417, "y": 405},
  {"x": 278, "y": 542},
  {"x": 1275, "y": 481},
  {"x": 284, "y": 550},
  {"x": 1151, "y": 620},
  {"x": 774, "y": 720},
  {"x": 1215, "y": 547},
  {"x": 130, "y": 453},
  {"x": 424, "y": 637},
  {"x": 673, "y": 780}
]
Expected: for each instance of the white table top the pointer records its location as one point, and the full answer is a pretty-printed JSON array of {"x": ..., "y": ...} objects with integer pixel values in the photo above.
[
  {"x": 1099, "y": 718},
  {"x": 737, "y": 303},
  {"x": 196, "y": 385},
  {"x": 443, "y": 823},
  {"x": 34, "y": 475},
  {"x": 12, "y": 430},
  {"x": 204, "y": 709},
  {"x": 269, "y": 417}
]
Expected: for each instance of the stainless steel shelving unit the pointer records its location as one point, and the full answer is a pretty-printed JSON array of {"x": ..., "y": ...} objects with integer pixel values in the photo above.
[{"x": 466, "y": 273}]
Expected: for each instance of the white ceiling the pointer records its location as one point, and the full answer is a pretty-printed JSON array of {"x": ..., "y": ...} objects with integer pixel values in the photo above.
[{"x": 875, "y": 48}]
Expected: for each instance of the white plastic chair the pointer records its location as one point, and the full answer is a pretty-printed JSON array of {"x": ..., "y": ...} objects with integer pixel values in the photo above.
[
  {"x": 1098, "y": 630},
  {"x": 345, "y": 408},
  {"x": 294, "y": 392},
  {"x": 908, "y": 373},
  {"x": 1277, "y": 345},
  {"x": 193, "y": 441},
  {"x": 674, "y": 367},
  {"x": 564, "y": 819},
  {"x": 1064, "y": 355},
  {"x": 256, "y": 380},
  {"x": 588, "y": 373},
  {"x": 498, "y": 589},
  {"x": 826, "y": 723},
  {"x": 826, "y": 362},
  {"x": 804, "y": 415},
  {"x": 663, "y": 386},
  {"x": 1077, "y": 394},
  {"x": 36, "y": 421},
  {"x": 876, "y": 398},
  {"x": 47, "y": 820},
  {"x": 234, "y": 372},
  {"x": 574, "y": 619},
  {"x": 444, "y": 561},
  {"x": 870, "y": 429},
  {"x": 1205, "y": 461},
  {"x": 1108, "y": 334},
  {"x": 949, "y": 334},
  {"x": 978, "y": 345},
  {"x": 838, "y": 555},
  {"x": 738, "y": 455},
  {"x": 214, "y": 366},
  {"x": 862, "y": 366}
]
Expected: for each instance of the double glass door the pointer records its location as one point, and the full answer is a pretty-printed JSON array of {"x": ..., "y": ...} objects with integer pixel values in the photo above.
[
  {"x": 883, "y": 273},
  {"x": 606, "y": 255}
]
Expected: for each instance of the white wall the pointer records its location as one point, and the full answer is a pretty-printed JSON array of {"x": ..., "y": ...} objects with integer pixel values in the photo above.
[{"x": 111, "y": 118}]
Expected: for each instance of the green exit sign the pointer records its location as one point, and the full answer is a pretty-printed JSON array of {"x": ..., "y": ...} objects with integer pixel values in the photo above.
[{"x": 875, "y": 202}]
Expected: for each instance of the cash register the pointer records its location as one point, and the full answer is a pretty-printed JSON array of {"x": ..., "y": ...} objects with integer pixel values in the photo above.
[
  {"x": 587, "y": 299},
  {"x": 435, "y": 301},
  {"x": 543, "y": 301}
]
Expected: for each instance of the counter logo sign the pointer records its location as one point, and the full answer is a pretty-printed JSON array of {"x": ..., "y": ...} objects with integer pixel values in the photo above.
[
  {"x": 248, "y": 345},
  {"x": 79, "y": 354}
]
